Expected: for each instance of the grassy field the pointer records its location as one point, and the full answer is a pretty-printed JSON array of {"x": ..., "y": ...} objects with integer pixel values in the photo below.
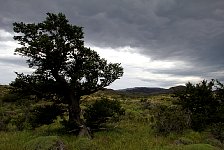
[
  {"x": 133, "y": 131},
  {"x": 126, "y": 136}
]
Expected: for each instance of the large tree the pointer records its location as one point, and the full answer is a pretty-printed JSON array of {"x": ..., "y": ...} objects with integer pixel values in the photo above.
[{"x": 64, "y": 69}]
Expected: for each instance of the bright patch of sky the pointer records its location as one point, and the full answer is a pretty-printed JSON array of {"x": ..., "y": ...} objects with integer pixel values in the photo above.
[{"x": 139, "y": 69}]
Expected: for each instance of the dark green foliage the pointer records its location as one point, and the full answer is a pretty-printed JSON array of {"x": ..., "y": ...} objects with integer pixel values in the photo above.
[
  {"x": 205, "y": 102},
  {"x": 4, "y": 121},
  {"x": 65, "y": 69},
  {"x": 56, "y": 50},
  {"x": 39, "y": 115},
  {"x": 45, "y": 114},
  {"x": 33, "y": 87},
  {"x": 101, "y": 111},
  {"x": 69, "y": 127},
  {"x": 217, "y": 130},
  {"x": 171, "y": 119}
]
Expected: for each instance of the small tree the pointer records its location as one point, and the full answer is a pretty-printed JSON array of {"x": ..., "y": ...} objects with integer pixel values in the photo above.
[
  {"x": 65, "y": 70},
  {"x": 204, "y": 101}
]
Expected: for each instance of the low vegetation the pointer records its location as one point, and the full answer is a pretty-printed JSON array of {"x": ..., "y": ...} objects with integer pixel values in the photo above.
[
  {"x": 159, "y": 121},
  {"x": 101, "y": 111}
]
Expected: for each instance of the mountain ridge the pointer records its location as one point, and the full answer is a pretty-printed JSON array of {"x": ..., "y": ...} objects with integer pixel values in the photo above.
[{"x": 151, "y": 90}]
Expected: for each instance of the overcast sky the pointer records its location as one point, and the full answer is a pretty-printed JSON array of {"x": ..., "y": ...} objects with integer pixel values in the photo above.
[{"x": 160, "y": 43}]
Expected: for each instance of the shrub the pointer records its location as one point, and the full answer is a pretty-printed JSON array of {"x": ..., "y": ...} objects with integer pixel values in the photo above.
[
  {"x": 101, "y": 111},
  {"x": 171, "y": 119},
  {"x": 205, "y": 101},
  {"x": 38, "y": 115},
  {"x": 217, "y": 130},
  {"x": 4, "y": 121}
]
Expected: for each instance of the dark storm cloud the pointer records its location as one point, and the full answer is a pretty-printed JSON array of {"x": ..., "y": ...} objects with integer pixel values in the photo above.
[
  {"x": 187, "y": 30},
  {"x": 163, "y": 28}
]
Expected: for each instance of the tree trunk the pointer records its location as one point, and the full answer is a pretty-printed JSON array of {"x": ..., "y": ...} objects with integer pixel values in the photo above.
[
  {"x": 76, "y": 123},
  {"x": 74, "y": 110}
]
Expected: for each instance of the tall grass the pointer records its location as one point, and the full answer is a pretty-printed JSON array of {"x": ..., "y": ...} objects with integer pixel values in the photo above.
[
  {"x": 133, "y": 132},
  {"x": 15, "y": 140}
]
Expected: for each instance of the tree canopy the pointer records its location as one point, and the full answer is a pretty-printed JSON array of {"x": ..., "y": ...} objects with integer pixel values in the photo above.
[
  {"x": 64, "y": 67},
  {"x": 56, "y": 50}
]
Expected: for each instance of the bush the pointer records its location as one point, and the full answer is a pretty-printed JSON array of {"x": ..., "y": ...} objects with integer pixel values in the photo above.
[
  {"x": 101, "y": 111},
  {"x": 4, "y": 121},
  {"x": 205, "y": 101},
  {"x": 217, "y": 130},
  {"x": 171, "y": 119},
  {"x": 39, "y": 114}
]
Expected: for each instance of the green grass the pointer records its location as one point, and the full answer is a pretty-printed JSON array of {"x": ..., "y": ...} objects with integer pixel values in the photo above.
[
  {"x": 133, "y": 132},
  {"x": 124, "y": 135},
  {"x": 45, "y": 143},
  {"x": 15, "y": 140},
  {"x": 199, "y": 147}
]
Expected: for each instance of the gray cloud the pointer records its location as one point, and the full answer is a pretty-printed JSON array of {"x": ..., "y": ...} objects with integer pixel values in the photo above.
[
  {"x": 10, "y": 60},
  {"x": 191, "y": 31},
  {"x": 165, "y": 84}
]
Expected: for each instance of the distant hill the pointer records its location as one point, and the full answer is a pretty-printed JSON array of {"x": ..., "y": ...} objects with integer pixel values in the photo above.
[
  {"x": 150, "y": 90},
  {"x": 142, "y": 90}
]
